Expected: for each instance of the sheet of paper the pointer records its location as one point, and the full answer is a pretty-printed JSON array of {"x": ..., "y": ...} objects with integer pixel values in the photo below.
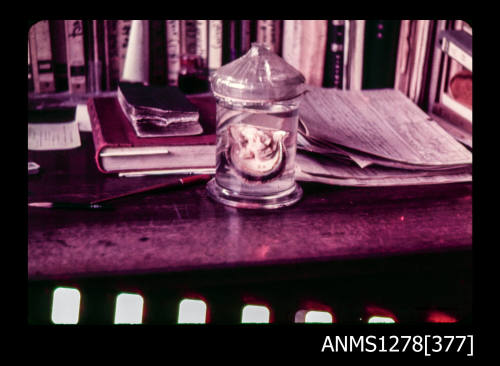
[
  {"x": 383, "y": 123},
  {"x": 322, "y": 166},
  {"x": 53, "y": 136}
]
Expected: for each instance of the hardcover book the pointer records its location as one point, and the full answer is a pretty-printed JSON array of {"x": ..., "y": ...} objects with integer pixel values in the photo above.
[
  {"x": 158, "y": 110},
  {"x": 77, "y": 83},
  {"x": 334, "y": 57},
  {"x": 380, "y": 51},
  {"x": 118, "y": 149}
]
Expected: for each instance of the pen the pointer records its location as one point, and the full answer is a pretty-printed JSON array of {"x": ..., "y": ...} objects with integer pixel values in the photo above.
[
  {"x": 172, "y": 182},
  {"x": 69, "y": 205}
]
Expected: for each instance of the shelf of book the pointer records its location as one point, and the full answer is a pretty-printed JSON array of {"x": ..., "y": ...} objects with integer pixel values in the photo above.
[{"x": 413, "y": 56}]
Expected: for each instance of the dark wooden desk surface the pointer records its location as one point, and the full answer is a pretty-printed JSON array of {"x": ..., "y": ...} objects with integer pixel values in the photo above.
[{"x": 183, "y": 230}]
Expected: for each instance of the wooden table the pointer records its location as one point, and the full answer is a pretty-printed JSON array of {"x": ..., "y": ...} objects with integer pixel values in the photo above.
[{"x": 408, "y": 246}]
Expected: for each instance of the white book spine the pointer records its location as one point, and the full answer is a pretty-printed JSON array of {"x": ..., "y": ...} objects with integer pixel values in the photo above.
[
  {"x": 312, "y": 58},
  {"x": 76, "y": 56},
  {"x": 123, "y": 36},
  {"x": 291, "y": 42},
  {"x": 43, "y": 63},
  {"x": 214, "y": 45},
  {"x": 136, "y": 68},
  {"x": 173, "y": 51},
  {"x": 202, "y": 42},
  {"x": 356, "y": 72}
]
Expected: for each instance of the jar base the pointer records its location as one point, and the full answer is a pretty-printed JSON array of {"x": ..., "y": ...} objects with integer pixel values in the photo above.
[{"x": 236, "y": 199}]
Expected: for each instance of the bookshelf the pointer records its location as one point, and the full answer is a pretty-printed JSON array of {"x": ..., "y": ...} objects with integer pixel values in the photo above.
[{"x": 71, "y": 60}]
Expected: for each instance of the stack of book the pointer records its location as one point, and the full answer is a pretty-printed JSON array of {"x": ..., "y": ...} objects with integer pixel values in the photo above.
[
  {"x": 375, "y": 138},
  {"x": 153, "y": 130}
]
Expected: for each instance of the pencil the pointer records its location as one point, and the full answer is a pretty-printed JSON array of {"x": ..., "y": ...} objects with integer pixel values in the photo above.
[
  {"x": 69, "y": 205},
  {"x": 173, "y": 182}
]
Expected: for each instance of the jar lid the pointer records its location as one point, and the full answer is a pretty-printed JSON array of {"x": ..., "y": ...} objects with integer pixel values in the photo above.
[{"x": 259, "y": 76}]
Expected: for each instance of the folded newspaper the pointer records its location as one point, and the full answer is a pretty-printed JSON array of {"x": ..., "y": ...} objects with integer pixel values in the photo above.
[{"x": 374, "y": 138}]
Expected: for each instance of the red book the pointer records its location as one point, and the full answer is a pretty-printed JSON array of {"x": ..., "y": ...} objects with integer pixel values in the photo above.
[{"x": 119, "y": 150}]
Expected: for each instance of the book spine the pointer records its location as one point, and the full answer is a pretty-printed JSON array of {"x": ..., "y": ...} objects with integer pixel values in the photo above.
[
  {"x": 43, "y": 70},
  {"x": 354, "y": 67},
  {"x": 58, "y": 41},
  {"x": 99, "y": 55},
  {"x": 418, "y": 59},
  {"x": 89, "y": 51},
  {"x": 214, "y": 45},
  {"x": 188, "y": 47},
  {"x": 123, "y": 35},
  {"x": 202, "y": 45},
  {"x": 381, "y": 41},
  {"x": 402, "y": 71},
  {"x": 158, "y": 53},
  {"x": 313, "y": 47},
  {"x": 75, "y": 56},
  {"x": 292, "y": 30},
  {"x": 269, "y": 33},
  {"x": 97, "y": 135},
  {"x": 436, "y": 67},
  {"x": 334, "y": 55},
  {"x": 173, "y": 51},
  {"x": 245, "y": 36},
  {"x": 112, "y": 57},
  {"x": 230, "y": 47}
]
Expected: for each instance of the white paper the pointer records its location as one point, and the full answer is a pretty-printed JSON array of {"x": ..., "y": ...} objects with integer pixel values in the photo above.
[
  {"x": 383, "y": 123},
  {"x": 83, "y": 118},
  {"x": 53, "y": 136}
]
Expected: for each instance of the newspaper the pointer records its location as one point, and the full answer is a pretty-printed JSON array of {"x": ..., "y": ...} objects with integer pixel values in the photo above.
[{"x": 375, "y": 137}]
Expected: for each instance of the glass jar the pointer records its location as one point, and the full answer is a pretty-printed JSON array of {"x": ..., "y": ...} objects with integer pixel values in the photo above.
[{"x": 257, "y": 116}]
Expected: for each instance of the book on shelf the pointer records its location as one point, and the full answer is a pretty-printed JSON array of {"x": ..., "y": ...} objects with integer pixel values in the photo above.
[
  {"x": 41, "y": 57},
  {"x": 304, "y": 46},
  {"x": 157, "y": 52},
  {"x": 214, "y": 45},
  {"x": 173, "y": 29},
  {"x": 292, "y": 30},
  {"x": 230, "y": 40},
  {"x": 334, "y": 56},
  {"x": 202, "y": 44},
  {"x": 124, "y": 26},
  {"x": 119, "y": 150},
  {"x": 380, "y": 51},
  {"x": 247, "y": 35},
  {"x": 353, "y": 75},
  {"x": 112, "y": 57},
  {"x": 58, "y": 41},
  {"x": 75, "y": 53},
  {"x": 158, "y": 110},
  {"x": 414, "y": 59}
]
